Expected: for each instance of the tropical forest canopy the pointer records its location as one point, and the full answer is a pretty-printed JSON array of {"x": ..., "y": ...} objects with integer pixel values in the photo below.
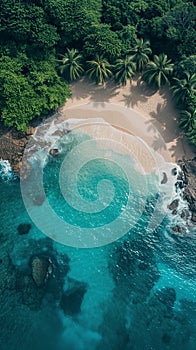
[{"x": 44, "y": 44}]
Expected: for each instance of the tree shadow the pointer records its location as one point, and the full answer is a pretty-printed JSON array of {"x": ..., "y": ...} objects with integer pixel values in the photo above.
[
  {"x": 165, "y": 120},
  {"x": 82, "y": 88},
  {"x": 182, "y": 147},
  {"x": 86, "y": 88},
  {"x": 103, "y": 93},
  {"x": 159, "y": 144},
  {"x": 139, "y": 92}
]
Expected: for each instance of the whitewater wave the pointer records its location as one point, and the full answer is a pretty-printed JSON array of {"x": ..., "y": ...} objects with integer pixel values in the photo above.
[{"x": 6, "y": 172}]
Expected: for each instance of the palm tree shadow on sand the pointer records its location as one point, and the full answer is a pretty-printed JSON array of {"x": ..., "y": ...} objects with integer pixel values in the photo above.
[
  {"x": 85, "y": 88},
  {"x": 82, "y": 88},
  {"x": 103, "y": 93},
  {"x": 165, "y": 120},
  {"x": 139, "y": 93}
]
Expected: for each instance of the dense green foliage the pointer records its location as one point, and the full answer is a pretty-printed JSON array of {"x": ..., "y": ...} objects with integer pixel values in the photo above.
[
  {"x": 44, "y": 43},
  {"x": 28, "y": 89}
]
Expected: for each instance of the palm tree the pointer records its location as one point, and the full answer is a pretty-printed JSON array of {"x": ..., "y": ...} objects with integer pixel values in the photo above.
[
  {"x": 99, "y": 69},
  {"x": 71, "y": 65},
  {"x": 191, "y": 135},
  {"x": 158, "y": 72},
  {"x": 188, "y": 119},
  {"x": 184, "y": 88},
  {"x": 140, "y": 53},
  {"x": 124, "y": 69}
]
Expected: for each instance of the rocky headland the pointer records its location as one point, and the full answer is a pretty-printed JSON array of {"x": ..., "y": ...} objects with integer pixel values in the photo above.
[
  {"x": 12, "y": 145},
  {"x": 188, "y": 182}
]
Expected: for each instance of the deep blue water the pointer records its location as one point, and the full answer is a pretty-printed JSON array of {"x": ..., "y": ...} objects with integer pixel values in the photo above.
[{"x": 138, "y": 292}]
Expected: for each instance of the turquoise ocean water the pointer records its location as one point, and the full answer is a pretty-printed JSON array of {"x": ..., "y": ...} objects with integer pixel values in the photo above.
[{"x": 136, "y": 293}]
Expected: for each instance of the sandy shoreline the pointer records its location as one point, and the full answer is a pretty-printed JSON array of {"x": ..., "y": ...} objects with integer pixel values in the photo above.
[
  {"x": 151, "y": 116},
  {"x": 156, "y": 109}
]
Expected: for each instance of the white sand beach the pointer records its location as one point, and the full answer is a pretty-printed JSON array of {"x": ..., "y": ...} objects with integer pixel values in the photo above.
[{"x": 153, "y": 114}]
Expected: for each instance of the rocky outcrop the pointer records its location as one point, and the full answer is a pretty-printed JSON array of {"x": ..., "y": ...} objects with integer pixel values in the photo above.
[
  {"x": 41, "y": 270},
  {"x": 12, "y": 144},
  {"x": 164, "y": 180},
  {"x": 54, "y": 152},
  {"x": 44, "y": 275},
  {"x": 179, "y": 229},
  {"x": 23, "y": 229},
  {"x": 173, "y": 205},
  {"x": 189, "y": 184}
]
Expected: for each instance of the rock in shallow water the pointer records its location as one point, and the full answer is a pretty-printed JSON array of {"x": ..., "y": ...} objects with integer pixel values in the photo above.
[
  {"x": 41, "y": 270},
  {"x": 178, "y": 229},
  {"x": 164, "y": 180},
  {"x": 54, "y": 152},
  {"x": 23, "y": 229},
  {"x": 185, "y": 214},
  {"x": 189, "y": 170},
  {"x": 174, "y": 204},
  {"x": 72, "y": 298},
  {"x": 174, "y": 171},
  {"x": 193, "y": 217}
]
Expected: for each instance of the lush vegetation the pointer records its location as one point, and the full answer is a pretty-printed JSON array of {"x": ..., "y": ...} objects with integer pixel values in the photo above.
[{"x": 44, "y": 44}]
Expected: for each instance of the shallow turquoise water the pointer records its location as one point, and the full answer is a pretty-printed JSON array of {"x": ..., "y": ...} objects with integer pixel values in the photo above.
[{"x": 140, "y": 290}]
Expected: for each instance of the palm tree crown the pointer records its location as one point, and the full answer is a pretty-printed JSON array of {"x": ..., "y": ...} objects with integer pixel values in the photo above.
[
  {"x": 71, "y": 65},
  {"x": 140, "y": 53},
  {"x": 191, "y": 135},
  {"x": 188, "y": 119},
  {"x": 157, "y": 72},
  {"x": 184, "y": 88},
  {"x": 124, "y": 69},
  {"x": 99, "y": 69}
]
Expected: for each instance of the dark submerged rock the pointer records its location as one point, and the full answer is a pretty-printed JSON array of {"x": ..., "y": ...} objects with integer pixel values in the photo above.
[
  {"x": 166, "y": 338},
  {"x": 193, "y": 217},
  {"x": 164, "y": 180},
  {"x": 174, "y": 212},
  {"x": 174, "y": 171},
  {"x": 178, "y": 229},
  {"x": 30, "y": 294},
  {"x": 179, "y": 185},
  {"x": 173, "y": 205},
  {"x": 54, "y": 152},
  {"x": 44, "y": 276},
  {"x": 23, "y": 229},
  {"x": 166, "y": 296},
  {"x": 72, "y": 298},
  {"x": 181, "y": 176},
  {"x": 184, "y": 214}
]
